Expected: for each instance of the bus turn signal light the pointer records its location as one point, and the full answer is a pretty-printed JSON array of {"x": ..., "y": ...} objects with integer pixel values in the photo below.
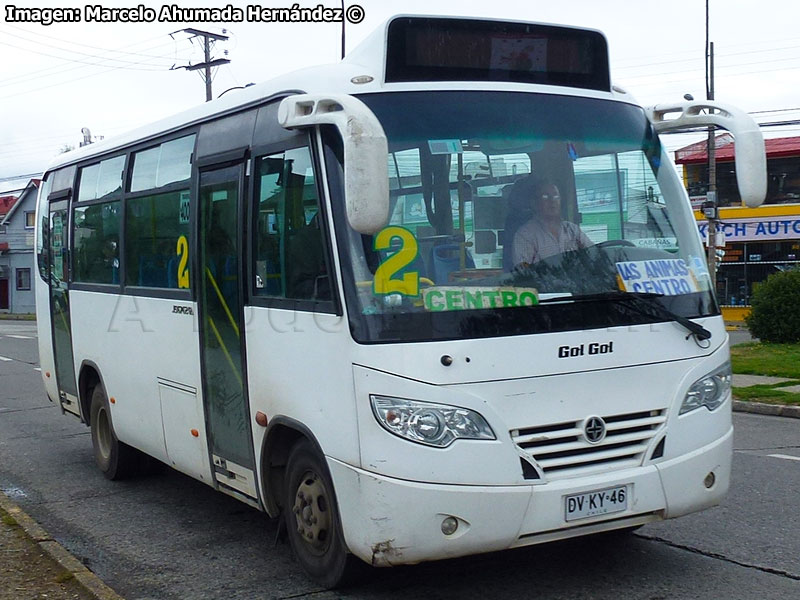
[
  {"x": 195, "y": 433},
  {"x": 261, "y": 419}
]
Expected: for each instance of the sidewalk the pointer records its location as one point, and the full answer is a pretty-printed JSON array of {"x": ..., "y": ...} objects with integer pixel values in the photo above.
[{"x": 34, "y": 566}]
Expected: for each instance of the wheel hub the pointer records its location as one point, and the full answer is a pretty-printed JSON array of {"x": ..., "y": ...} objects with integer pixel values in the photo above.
[{"x": 312, "y": 512}]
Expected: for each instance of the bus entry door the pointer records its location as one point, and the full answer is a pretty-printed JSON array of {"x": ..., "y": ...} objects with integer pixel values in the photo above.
[
  {"x": 221, "y": 329},
  {"x": 59, "y": 307}
]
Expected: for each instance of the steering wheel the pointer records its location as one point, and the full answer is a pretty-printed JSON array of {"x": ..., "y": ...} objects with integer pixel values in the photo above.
[{"x": 612, "y": 243}]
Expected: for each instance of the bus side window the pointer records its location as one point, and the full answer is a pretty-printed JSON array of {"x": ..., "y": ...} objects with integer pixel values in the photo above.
[
  {"x": 156, "y": 235},
  {"x": 289, "y": 247},
  {"x": 157, "y": 215},
  {"x": 96, "y": 239}
]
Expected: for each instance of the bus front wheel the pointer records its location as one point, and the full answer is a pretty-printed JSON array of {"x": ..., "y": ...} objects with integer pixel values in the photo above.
[
  {"x": 312, "y": 519},
  {"x": 115, "y": 459}
]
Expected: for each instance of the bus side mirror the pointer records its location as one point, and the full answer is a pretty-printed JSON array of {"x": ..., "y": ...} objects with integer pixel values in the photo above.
[
  {"x": 751, "y": 158},
  {"x": 366, "y": 176}
]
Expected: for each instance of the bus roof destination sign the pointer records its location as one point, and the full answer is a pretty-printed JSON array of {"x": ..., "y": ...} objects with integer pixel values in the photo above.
[{"x": 441, "y": 49}]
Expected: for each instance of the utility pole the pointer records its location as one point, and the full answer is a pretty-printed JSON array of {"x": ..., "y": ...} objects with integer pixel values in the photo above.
[
  {"x": 343, "y": 22},
  {"x": 208, "y": 41},
  {"x": 710, "y": 208}
]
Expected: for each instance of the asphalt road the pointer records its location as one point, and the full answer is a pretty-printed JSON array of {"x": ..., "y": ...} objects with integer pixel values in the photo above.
[{"x": 167, "y": 537}]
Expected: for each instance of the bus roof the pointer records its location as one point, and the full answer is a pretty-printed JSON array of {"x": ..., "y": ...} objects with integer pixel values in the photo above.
[{"x": 369, "y": 68}]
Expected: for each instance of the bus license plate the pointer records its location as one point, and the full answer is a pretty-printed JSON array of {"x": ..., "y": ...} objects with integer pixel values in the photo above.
[{"x": 600, "y": 502}]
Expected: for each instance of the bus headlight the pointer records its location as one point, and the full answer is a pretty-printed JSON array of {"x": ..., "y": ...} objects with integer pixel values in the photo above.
[
  {"x": 709, "y": 391},
  {"x": 430, "y": 424}
]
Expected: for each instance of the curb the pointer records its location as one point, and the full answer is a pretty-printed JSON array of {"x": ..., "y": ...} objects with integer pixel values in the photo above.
[
  {"x": 760, "y": 408},
  {"x": 90, "y": 582}
]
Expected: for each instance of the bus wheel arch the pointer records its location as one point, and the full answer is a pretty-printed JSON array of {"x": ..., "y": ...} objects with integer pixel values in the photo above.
[
  {"x": 311, "y": 515},
  {"x": 292, "y": 462},
  {"x": 88, "y": 378},
  {"x": 115, "y": 459},
  {"x": 282, "y": 435}
]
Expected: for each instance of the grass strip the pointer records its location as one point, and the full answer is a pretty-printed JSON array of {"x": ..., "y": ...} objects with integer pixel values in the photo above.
[
  {"x": 769, "y": 394},
  {"x": 757, "y": 358}
]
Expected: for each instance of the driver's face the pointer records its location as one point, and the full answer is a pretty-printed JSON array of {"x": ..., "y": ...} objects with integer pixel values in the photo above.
[{"x": 548, "y": 201}]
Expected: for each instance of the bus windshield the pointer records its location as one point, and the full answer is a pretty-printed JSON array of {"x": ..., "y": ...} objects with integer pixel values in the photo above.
[{"x": 507, "y": 208}]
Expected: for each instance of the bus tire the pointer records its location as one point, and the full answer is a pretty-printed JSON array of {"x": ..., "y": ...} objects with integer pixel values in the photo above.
[
  {"x": 115, "y": 459},
  {"x": 312, "y": 519}
]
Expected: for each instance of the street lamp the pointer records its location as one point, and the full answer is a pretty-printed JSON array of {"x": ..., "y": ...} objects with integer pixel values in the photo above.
[
  {"x": 237, "y": 87},
  {"x": 711, "y": 196}
]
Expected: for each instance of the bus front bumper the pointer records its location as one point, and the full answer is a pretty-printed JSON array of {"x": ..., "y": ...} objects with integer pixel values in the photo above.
[{"x": 389, "y": 521}]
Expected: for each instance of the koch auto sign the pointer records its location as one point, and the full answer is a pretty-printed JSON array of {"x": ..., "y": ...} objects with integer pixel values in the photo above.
[{"x": 756, "y": 230}]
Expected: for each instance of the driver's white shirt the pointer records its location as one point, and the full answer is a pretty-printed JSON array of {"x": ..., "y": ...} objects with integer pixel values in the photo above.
[{"x": 533, "y": 242}]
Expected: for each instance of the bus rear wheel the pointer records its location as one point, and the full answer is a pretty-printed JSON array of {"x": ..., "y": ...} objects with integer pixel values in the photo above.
[
  {"x": 115, "y": 459},
  {"x": 312, "y": 520}
]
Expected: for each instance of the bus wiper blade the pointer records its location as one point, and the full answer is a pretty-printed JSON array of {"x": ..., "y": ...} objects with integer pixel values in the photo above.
[{"x": 642, "y": 303}]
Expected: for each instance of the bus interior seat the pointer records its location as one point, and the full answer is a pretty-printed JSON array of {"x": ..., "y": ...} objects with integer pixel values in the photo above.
[
  {"x": 446, "y": 259},
  {"x": 172, "y": 272},
  {"x": 520, "y": 211},
  {"x": 151, "y": 271}
]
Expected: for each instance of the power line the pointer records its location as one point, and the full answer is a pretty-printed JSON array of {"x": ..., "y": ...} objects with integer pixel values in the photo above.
[
  {"x": 46, "y": 72},
  {"x": 727, "y": 67},
  {"x": 647, "y": 64},
  {"x": 67, "y": 82},
  {"x": 790, "y": 122},
  {"x": 50, "y": 37},
  {"x": 774, "y": 110},
  {"x": 649, "y": 59},
  {"x": 102, "y": 60},
  {"x": 26, "y": 176},
  {"x": 728, "y": 76},
  {"x": 19, "y": 37},
  {"x": 104, "y": 70}
]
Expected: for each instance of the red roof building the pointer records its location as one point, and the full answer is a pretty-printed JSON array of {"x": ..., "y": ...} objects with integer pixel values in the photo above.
[
  {"x": 6, "y": 202},
  {"x": 698, "y": 153},
  {"x": 783, "y": 170}
]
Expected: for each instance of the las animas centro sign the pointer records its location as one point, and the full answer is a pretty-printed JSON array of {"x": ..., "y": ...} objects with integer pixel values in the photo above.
[{"x": 756, "y": 229}]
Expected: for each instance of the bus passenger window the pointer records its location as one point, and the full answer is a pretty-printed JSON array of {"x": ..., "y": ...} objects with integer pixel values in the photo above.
[
  {"x": 101, "y": 179},
  {"x": 156, "y": 240},
  {"x": 157, "y": 222},
  {"x": 96, "y": 241},
  {"x": 290, "y": 257}
]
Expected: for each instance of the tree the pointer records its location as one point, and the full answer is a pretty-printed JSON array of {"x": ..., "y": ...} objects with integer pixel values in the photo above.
[{"x": 775, "y": 314}]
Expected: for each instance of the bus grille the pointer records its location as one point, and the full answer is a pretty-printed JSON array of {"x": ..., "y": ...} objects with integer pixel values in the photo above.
[{"x": 561, "y": 450}]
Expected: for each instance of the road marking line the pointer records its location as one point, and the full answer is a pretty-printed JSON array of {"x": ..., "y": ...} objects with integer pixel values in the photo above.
[
  {"x": 20, "y": 337},
  {"x": 4, "y": 359},
  {"x": 784, "y": 456},
  {"x": 37, "y": 368}
]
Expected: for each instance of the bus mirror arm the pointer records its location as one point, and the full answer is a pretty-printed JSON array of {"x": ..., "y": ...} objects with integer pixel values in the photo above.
[
  {"x": 366, "y": 177},
  {"x": 751, "y": 159}
]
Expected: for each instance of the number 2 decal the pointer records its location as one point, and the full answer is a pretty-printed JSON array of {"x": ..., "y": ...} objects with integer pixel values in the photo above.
[
  {"x": 388, "y": 278},
  {"x": 183, "y": 264}
]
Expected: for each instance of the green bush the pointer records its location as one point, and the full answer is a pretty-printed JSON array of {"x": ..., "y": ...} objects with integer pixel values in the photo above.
[{"x": 775, "y": 316}]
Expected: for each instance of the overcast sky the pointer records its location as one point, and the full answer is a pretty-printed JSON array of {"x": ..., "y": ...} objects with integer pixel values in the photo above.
[{"x": 112, "y": 77}]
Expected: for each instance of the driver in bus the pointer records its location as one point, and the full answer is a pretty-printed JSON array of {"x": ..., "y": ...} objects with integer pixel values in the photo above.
[{"x": 546, "y": 233}]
